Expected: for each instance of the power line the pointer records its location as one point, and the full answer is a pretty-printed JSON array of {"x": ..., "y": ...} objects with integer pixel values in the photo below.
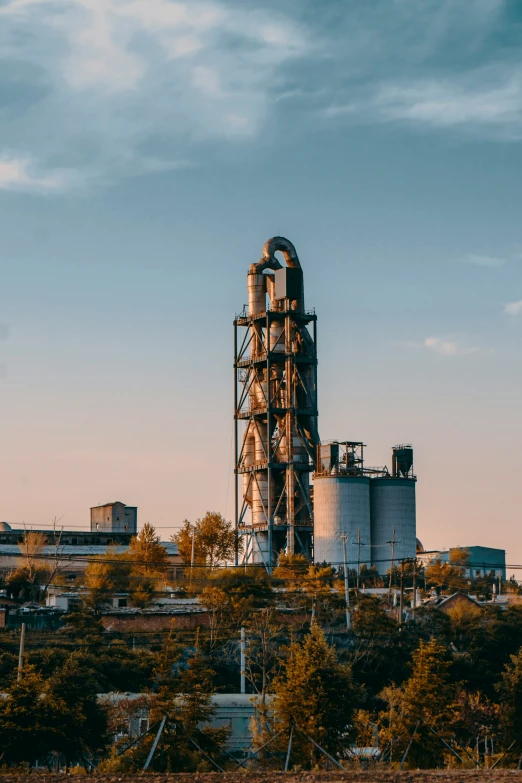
[{"x": 95, "y": 556}]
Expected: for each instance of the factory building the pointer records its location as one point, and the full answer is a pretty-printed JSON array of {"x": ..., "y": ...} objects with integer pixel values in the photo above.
[
  {"x": 482, "y": 560},
  {"x": 115, "y": 518},
  {"x": 112, "y": 525},
  {"x": 370, "y": 513}
]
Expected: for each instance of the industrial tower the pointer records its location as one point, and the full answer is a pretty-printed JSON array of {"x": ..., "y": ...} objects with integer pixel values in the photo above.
[{"x": 275, "y": 409}]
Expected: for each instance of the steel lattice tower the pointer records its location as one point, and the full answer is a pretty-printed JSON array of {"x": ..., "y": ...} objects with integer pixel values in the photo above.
[{"x": 275, "y": 409}]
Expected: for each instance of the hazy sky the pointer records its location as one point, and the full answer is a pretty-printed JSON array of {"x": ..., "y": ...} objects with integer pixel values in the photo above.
[{"x": 148, "y": 149}]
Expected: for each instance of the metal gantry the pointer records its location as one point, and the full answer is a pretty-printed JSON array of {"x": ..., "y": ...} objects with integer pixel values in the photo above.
[{"x": 275, "y": 410}]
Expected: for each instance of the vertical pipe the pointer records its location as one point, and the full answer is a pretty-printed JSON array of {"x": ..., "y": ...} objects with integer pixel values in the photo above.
[
  {"x": 269, "y": 444},
  {"x": 289, "y": 426},
  {"x": 236, "y": 454},
  {"x": 21, "y": 653},
  {"x": 315, "y": 384},
  {"x": 242, "y": 647}
]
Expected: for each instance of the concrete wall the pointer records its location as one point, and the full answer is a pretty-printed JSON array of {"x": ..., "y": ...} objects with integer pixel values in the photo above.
[{"x": 393, "y": 508}]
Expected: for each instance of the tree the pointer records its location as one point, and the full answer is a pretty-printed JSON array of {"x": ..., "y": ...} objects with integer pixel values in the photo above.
[
  {"x": 449, "y": 575},
  {"x": 149, "y": 562},
  {"x": 291, "y": 568},
  {"x": 489, "y": 641},
  {"x": 510, "y": 694},
  {"x": 217, "y": 603},
  {"x": 99, "y": 586},
  {"x": 31, "y": 576},
  {"x": 424, "y": 704},
  {"x": 328, "y": 606},
  {"x": 104, "y": 576},
  {"x": 317, "y": 694},
  {"x": 263, "y": 654},
  {"x": 478, "y": 718},
  {"x": 374, "y": 652},
  {"x": 183, "y": 696},
  {"x": 82, "y": 721},
  {"x": 214, "y": 540},
  {"x": 146, "y": 553},
  {"x": 29, "y": 720},
  {"x": 187, "y": 539},
  {"x": 253, "y": 584},
  {"x": 40, "y": 567}
]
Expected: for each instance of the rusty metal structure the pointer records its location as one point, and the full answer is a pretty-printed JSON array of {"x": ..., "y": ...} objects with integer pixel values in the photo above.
[{"x": 275, "y": 409}]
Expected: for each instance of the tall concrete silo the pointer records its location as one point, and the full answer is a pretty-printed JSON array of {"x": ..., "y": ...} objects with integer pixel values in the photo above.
[
  {"x": 393, "y": 512},
  {"x": 341, "y": 505}
]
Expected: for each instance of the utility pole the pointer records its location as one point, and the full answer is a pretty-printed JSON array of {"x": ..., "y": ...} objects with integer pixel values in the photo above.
[
  {"x": 401, "y": 602},
  {"x": 242, "y": 648},
  {"x": 345, "y": 538},
  {"x": 192, "y": 551},
  {"x": 358, "y": 557},
  {"x": 392, "y": 542},
  {"x": 414, "y": 602},
  {"x": 21, "y": 653}
]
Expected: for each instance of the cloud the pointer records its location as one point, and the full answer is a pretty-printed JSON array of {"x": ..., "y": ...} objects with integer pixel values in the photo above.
[
  {"x": 487, "y": 261},
  {"x": 448, "y": 347},
  {"x": 103, "y": 87},
  {"x": 452, "y": 65},
  {"x": 17, "y": 173},
  {"x": 468, "y": 101},
  {"x": 513, "y": 308},
  {"x": 93, "y": 90},
  {"x": 486, "y": 100}
]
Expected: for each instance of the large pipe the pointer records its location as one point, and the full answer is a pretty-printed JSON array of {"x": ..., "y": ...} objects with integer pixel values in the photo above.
[{"x": 268, "y": 259}]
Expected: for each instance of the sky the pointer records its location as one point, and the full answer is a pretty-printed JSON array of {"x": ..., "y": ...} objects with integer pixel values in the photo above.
[{"x": 149, "y": 148}]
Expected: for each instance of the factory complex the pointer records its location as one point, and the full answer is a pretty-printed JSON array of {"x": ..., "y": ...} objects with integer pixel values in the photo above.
[
  {"x": 350, "y": 513},
  {"x": 294, "y": 494}
]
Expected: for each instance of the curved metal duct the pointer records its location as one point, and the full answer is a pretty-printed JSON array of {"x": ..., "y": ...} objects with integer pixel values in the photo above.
[{"x": 268, "y": 259}]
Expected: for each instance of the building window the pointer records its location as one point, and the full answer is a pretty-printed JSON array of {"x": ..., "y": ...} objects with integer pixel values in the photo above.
[
  {"x": 97, "y": 525},
  {"x": 122, "y": 603}
]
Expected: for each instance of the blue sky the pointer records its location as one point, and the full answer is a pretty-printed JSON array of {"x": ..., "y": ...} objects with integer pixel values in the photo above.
[{"x": 147, "y": 151}]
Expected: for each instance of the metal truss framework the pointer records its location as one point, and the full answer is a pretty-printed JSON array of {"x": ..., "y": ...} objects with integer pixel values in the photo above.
[{"x": 275, "y": 412}]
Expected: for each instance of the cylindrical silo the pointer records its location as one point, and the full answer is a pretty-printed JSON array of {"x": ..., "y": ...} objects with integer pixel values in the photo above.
[
  {"x": 260, "y": 554},
  {"x": 393, "y": 521},
  {"x": 342, "y": 505}
]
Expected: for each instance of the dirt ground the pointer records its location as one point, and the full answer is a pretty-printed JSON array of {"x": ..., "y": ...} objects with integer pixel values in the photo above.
[{"x": 420, "y": 776}]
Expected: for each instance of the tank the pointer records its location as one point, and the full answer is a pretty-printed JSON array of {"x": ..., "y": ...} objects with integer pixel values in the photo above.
[
  {"x": 393, "y": 518},
  {"x": 259, "y": 553},
  {"x": 402, "y": 461},
  {"x": 342, "y": 503}
]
